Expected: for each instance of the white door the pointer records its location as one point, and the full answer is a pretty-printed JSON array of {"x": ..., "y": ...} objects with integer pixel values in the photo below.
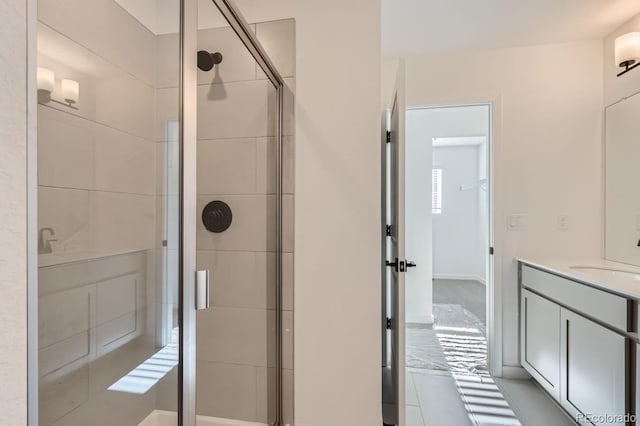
[{"x": 396, "y": 254}]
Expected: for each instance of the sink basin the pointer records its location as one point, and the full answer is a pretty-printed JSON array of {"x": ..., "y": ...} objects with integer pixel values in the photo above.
[{"x": 605, "y": 272}]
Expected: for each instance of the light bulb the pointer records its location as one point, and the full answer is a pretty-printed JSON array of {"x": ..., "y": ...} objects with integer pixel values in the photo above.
[
  {"x": 70, "y": 91},
  {"x": 46, "y": 79}
]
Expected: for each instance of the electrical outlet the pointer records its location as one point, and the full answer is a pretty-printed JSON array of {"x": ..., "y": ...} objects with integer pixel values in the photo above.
[
  {"x": 515, "y": 222},
  {"x": 563, "y": 222}
]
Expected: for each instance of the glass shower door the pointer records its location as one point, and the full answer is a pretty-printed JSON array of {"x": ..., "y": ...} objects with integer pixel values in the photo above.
[
  {"x": 237, "y": 357},
  {"x": 108, "y": 212}
]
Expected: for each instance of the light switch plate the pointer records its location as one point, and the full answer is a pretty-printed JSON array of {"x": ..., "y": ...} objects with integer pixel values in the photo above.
[
  {"x": 515, "y": 222},
  {"x": 563, "y": 222}
]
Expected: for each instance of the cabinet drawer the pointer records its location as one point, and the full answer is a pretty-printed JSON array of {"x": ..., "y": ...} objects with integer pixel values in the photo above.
[{"x": 606, "y": 307}]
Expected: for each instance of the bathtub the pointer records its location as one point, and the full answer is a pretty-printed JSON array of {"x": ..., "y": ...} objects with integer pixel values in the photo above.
[{"x": 169, "y": 418}]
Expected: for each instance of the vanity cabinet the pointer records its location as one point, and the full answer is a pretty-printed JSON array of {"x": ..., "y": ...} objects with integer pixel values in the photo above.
[
  {"x": 593, "y": 368},
  {"x": 583, "y": 359},
  {"x": 540, "y": 333}
]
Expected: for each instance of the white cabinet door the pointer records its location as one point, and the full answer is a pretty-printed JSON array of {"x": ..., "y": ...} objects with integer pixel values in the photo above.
[
  {"x": 540, "y": 342},
  {"x": 593, "y": 366}
]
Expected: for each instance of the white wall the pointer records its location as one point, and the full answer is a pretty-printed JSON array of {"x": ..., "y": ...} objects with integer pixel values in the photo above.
[
  {"x": 337, "y": 255},
  {"x": 422, "y": 126},
  {"x": 13, "y": 232},
  {"x": 548, "y": 147},
  {"x": 456, "y": 231}
]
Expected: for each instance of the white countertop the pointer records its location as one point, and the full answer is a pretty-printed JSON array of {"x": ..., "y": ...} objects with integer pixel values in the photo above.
[
  {"x": 623, "y": 284},
  {"x": 58, "y": 258}
]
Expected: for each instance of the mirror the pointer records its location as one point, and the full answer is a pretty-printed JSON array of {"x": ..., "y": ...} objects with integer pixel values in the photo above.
[{"x": 622, "y": 179}]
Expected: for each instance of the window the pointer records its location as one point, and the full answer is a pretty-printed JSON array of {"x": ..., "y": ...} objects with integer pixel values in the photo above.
[{"x": 436, "y": 191}]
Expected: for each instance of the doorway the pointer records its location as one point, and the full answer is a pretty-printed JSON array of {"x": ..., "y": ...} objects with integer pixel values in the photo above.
[{"x": 448, "y": 235}]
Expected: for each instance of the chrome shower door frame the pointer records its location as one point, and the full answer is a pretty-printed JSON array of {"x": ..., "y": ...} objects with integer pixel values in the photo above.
[{"x": 188, "y": 196}]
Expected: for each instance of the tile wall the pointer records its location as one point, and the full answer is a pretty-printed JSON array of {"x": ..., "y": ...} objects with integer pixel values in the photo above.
[
  {"x": 236, "y": 164},
  {"x": 103, "y": 186},
  {"x": 102, "y": 189}
]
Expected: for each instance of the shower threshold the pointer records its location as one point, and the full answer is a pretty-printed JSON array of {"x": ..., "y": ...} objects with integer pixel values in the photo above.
[{"x": 169, "y": 418}]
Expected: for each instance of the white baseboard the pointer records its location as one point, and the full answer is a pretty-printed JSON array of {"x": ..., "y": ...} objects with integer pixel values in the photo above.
[
  {"x": 419, "y": 319},
  {"x": 513, "y": 372},
  {"x": 460, "y": 278}
]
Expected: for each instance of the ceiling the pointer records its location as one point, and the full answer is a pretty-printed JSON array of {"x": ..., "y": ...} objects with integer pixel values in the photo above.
[
  {"x": 451, "y": 141},
  {"x": 162, "y": 16},
  {"x": 414, "y": 27}
]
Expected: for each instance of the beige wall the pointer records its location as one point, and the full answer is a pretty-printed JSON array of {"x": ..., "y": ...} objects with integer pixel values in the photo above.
[
  {"x": 13, "y": 181},
  {"x": 547, "y": 148},
  {"x": 337, "y": 257}
]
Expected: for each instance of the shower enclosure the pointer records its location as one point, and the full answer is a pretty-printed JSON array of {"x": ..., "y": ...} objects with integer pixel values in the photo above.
[{"x": 165, "y": 215}]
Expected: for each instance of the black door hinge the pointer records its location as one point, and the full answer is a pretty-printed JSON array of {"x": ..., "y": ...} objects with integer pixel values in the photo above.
[
  {"x": 490, "y": 251},
  {"x": 388, "y": 136},
  {"x": 388, "y": 230},
  {"x": 389, "y": 323}
]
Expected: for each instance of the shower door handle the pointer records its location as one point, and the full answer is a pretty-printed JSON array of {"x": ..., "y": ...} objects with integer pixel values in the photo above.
[{"x": 202, "y": 289}]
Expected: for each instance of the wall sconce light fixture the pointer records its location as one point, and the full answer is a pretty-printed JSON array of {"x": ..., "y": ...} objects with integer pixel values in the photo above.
[
  {"x": 627, "y": 51},
  {"x": 46, "y": 79},
  {"x": 70, "y": 91}
]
